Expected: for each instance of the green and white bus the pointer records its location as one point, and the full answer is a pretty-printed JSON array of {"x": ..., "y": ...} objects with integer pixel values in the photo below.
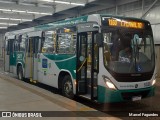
[{"x": 99, "y": 57}]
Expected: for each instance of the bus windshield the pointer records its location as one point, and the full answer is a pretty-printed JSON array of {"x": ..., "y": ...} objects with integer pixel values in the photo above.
[{"x": 128, "y": 50}]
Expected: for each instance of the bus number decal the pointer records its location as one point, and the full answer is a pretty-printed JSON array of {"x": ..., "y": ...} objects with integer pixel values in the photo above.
[{"x": 19, "y": 56}]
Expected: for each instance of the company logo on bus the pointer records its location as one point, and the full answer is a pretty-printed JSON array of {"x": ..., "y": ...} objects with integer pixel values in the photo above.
[{"x": 136, "y": 85}]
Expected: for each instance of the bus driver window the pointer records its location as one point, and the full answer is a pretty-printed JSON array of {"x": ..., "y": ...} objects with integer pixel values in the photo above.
[
  {"x": 107, "y": 46},
  {"x": 125, "y": 52}
]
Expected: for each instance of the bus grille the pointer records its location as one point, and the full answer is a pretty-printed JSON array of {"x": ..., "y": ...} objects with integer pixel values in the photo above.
[
  {"x": 133, "y": 78},
  {"x": 129, "y": 95}
]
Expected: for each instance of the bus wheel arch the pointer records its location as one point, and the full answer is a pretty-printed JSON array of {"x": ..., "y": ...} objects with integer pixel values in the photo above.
[
  {"x": 65, "y": 84},
  {"x": 20, "y": 71}
]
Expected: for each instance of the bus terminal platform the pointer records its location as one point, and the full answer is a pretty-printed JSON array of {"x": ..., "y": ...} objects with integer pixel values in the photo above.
[{"x": 18, "y": 96}]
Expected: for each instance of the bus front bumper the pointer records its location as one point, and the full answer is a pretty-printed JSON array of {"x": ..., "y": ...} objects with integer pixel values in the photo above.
[{"x": 106, "y": 95}]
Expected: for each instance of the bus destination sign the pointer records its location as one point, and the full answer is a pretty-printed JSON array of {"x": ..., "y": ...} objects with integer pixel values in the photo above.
[{"x": 125, "y": 23}]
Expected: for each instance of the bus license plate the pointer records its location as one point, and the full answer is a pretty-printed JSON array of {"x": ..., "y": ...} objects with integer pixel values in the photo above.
[{"x": 135, "y": 98}]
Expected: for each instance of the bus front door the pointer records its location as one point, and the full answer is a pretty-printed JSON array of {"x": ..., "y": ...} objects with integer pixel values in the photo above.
[{"x": 87, "y": 61}]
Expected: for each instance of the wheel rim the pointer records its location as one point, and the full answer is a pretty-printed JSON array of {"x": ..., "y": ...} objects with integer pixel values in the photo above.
[{"x": 68, "y": 88}]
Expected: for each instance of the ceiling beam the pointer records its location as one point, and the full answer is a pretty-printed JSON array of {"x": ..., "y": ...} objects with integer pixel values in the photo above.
[
  {"x": 95, "y": 9},
  {"x": 26, "y": 7},
  {"x": 62, "y": 7},
  {"x": 70, "y": 12},
  {"x": 44, "y": 18},
  {"x": 121, "y": 2},
  {"x": 104, "y": 2}
]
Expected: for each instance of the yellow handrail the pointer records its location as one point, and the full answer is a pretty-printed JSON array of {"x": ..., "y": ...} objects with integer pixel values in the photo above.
[{"x": 82, "y": 65}]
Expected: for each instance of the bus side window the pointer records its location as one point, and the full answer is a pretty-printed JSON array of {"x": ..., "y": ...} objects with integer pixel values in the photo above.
[
  {"x": 35, "y": 45},
  {"x": 29, "y": 47},
  {"x": 22, "y": 42},
  {"x": 66, "y": 41},
  {"x": 16, "y": 45},
  {"x": 48, "y": 42},
  {"x": 32, "y": 45},
  {"x": 10, "y": 46}
]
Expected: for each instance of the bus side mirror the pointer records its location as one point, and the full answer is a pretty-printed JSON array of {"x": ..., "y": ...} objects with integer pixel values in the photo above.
[{"x": 99, "y": 39}]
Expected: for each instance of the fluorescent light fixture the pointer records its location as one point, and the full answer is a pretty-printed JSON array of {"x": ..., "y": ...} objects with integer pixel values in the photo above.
[
  {"x": 20, "y": 11},
  {"x": 3, "y": 23},
  {"x": 15, "y": 19},
  {"x": 7, "y": 2},
  {"x": 46, "y": 13},
  {"x": 10, "y": 24},
  {"x": 4, "y": 18},
  {"x": 23, "y": 11},
  {"x": 33, "y": 12},
  {"x": 3, "y": 27},
  {"x": 47, "y": 0},
  {"x": 61, "y": 2},
  {"x": 78, "y": 4},
  {"x": 39, "y": 13},
  {"x": 26, "y": 19},
  {"x": 6, "y": 10}
]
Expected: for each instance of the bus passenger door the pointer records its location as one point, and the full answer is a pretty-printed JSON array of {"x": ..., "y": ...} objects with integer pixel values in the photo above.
[
  {"x": 31, "y": 60},
  {"x": 6, "y": 56},
  {"x": 11, "y": 55},
  {"x": 9, "y": 58},
  {"x": 35, "y": 45},
  {"x": 87, "y": 62},
  {"x": 82, "y": 63}
]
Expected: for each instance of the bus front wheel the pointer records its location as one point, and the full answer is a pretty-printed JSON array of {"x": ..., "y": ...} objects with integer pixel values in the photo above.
[
  {"x": 67, "y": 87},
  {"x": 20, "y": 73}
]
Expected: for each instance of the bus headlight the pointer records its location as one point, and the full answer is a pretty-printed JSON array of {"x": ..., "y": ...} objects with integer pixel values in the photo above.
[
  {"x": 153, "y": 82},
  {"x": 109, "y": 83}
]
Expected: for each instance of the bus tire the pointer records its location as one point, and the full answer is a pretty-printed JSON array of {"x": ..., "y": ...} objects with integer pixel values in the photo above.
[
  {"x": 67, "y": 87},
  {"x": 20, "y": 73}
]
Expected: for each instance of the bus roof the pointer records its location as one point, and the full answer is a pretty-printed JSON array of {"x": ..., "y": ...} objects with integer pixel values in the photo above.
[
  {"x": 123, "y": 17},
  {"x": 69, "y": 22}
]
